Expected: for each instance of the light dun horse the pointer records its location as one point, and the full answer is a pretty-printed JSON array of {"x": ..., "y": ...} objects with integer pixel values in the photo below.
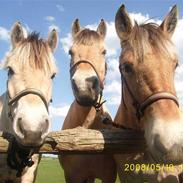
[
  {"x": 87, "y": 77},
  {"x": 24, "y": 106},
  {"x": 147, "y": 65}
]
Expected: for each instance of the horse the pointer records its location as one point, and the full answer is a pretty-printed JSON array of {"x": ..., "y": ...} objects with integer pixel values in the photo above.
[
  {"x": 149, "y": 103},
  {"x": 87, "y": 75},
  {"x": 24, "y": 106}
]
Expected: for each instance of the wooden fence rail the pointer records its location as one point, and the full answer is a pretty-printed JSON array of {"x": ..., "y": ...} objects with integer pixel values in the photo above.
[{"x": 80, "y": 140}]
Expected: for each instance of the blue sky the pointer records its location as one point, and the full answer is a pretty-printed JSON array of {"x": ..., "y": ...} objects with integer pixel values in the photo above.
[{"x": 41, "y": 15}]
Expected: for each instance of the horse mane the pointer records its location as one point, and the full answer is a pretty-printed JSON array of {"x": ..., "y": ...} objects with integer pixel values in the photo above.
[
  {"x": 33, "y": 50},
  {"x": 87, "y": 37},
  {"x": 149, "y": 36}
]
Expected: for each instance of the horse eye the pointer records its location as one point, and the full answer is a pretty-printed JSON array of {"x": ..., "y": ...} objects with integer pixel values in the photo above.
[
  {"x": 177, "y": 64},
  {"x": 10, "y": 71},
  {"x": 104, "y": 52},
  {"x": 53, "y": 76},
  {"x": 70, "y": 52},
  {"x": 127, "y": 67}
]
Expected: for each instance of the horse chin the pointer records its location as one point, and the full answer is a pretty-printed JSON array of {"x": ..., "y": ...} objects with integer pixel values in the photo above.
[
  {"x": 86, "y": 101},
  {"x": 28, "y": 145}
]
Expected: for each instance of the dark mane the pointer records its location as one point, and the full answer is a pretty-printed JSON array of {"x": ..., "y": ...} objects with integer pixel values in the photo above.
[
  {"x": 37, "y": 48},
  {"x": 87, "y": 37},
  {"x": 33, "y": 36}
]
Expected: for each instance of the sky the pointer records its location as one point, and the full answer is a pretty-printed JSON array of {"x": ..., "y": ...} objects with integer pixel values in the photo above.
[{"x": 44, "y": 15}]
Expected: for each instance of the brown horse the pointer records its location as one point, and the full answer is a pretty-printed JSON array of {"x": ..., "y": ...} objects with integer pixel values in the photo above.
[
  {"x": 87, "y": 77},
  {"x": 24, "y": 106},
  {"x": 147, "y": 65}
]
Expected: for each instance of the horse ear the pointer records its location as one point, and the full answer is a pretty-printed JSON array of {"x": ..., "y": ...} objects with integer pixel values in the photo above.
[
  {"x": 75, "y": 28},
  {"x": 102, "y": 28},
  {"x": 169, "y": 24},
  {"x": 17, "y": 34},
  {"x": 123, "y": 23},
  {"x": 53, "y": 39}
]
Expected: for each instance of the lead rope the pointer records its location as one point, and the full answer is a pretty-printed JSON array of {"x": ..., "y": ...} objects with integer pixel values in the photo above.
[
  {"x": 17, "y": 158},
  {"x": 99, "y": 104}
]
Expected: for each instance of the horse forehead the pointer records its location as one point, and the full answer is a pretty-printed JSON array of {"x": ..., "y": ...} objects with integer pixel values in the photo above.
[{"x": 87, "y": 48}]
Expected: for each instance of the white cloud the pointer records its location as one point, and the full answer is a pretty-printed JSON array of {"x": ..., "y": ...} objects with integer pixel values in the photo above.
[
  {"x": 114, "y": 100},
  {"x": 113, "y": 87},
  {"x": 28, "y": 29},
  {"x": 112, "y": 91},
  {"x": 66, "y": 42},
  {"x": 60, "y": 111},
  {"x": 140, "y": 18},
  {"x": 49, "y": 18},
  {"x": 60, "y": 7},
  {"x": 53, "y": 26},
  {"x": 178, "y": 39},
  {"x": 4, "y": 34},
  {"x": 113, "y": 69},
  {"x": 179, "y": 83},
  {"x": 112, "y": 41}
]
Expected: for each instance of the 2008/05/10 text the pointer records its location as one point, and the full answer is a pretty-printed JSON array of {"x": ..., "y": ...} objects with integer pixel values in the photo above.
[{"x": 129, "y": 167}]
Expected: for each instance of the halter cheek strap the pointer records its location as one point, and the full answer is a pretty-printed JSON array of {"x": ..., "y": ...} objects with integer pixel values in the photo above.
[{"x": 141, "y": 107}]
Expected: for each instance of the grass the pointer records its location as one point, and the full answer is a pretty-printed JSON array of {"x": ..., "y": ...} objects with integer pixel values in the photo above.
[{"x": 50, "y": 171}]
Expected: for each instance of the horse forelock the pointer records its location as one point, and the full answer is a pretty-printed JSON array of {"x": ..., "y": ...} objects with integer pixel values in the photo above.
[
  {"x": 87, "y": 37},
  {"x": 33, "y": 51},
  {"x": 147, "y": 37}
]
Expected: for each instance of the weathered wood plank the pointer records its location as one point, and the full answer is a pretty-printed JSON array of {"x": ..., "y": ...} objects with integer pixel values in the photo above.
[{"x": 80, "y": 140}]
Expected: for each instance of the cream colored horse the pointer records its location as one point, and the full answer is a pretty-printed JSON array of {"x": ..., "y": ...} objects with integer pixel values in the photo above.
[
  {"x": 147, "y": 65},
  {"x": 87, "y": 76},
  {"x": 24, "y": 106}
]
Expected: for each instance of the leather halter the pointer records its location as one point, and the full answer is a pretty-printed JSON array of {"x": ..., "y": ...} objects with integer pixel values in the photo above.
[
  {"x": 140, "y": 107},
  {"x": 14, "y": 150},
  {"x": 24, "y": 93},
  {"x": 98, "y": 104}
]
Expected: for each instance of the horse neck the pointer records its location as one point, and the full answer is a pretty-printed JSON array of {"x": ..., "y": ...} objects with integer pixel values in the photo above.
[
  {"x": 77, "y": 115},
  {"x": 126, "y": 114}
]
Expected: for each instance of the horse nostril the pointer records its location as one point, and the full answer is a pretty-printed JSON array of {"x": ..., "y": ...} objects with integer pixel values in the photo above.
[
  {"x": 74, "y": 86},
  {"x": 45, "y": 127},
  {"x": 19, "y": 119},
  {"x": 20, "y": 127},
  {"x": 93, "y": 82},
  {"x": 158, "y": 145}
]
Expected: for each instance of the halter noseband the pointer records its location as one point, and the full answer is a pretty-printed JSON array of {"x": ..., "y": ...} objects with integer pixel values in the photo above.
[
  {"x": 24, "y": 93},
  {"x": 98, "y": 104},
  {"x": 140, "y": 107}
]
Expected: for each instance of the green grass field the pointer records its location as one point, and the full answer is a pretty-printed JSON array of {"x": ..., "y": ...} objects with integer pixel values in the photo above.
[{"x": 49, "y": 171}]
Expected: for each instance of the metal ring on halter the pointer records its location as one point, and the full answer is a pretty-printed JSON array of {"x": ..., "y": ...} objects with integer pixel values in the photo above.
[
  {"x": 98, "y": 104},
  {"x": 140, "y": 107}
]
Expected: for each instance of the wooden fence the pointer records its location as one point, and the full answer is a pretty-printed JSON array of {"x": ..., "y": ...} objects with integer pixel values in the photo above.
[{"x": 87, "y": 141}]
